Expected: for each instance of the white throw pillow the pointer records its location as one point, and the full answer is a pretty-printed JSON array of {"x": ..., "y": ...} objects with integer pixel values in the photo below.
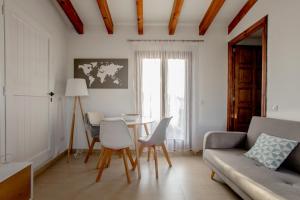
[{"x": 271, "y": 151}]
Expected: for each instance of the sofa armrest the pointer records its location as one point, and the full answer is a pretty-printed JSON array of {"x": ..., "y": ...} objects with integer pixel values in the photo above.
[{"x": 223, "y": 139}]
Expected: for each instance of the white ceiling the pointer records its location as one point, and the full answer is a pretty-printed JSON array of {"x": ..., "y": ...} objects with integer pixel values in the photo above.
[{"x": 156, "y": 12}]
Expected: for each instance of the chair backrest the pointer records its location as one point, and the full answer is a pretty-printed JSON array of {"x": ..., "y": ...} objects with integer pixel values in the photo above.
[
  {"x": 159, "y": 135},
  {"x": 94, "y": 118},
  {"x": 115, "y": 134}
]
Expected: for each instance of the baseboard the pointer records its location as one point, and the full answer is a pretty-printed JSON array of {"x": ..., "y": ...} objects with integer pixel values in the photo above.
[
  {"x": 49, "y": 164},
  {"x": 172, "y": 153}
]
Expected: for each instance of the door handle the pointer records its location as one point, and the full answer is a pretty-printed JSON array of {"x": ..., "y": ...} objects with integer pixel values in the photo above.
[{"x": 51, "y": 94}]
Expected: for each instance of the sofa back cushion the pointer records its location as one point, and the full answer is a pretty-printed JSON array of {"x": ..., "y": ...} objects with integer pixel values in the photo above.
[{"x": 279, "y": 128}]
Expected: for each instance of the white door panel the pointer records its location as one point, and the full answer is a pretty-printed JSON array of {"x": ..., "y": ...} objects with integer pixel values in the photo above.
[
  {"x": 27, "y": 85},
  {"x": 15, "y": 127}
]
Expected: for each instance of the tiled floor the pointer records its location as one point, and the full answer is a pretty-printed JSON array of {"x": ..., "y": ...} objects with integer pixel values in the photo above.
[{"x": 188, "y": 179}]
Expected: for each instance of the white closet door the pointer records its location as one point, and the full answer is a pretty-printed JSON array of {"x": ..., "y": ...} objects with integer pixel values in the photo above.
[{"x": 27, "y": 86}]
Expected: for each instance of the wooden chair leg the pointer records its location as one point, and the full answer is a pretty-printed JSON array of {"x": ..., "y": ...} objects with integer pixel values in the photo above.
[
  {"x": 90, "y": 151},
  {"x": 130, "y": 157},
  {"x": 125, "y": 164},
  {"x": 102, "y": 164},
  {"x": 155, "y": 159},
  {"x": 166, "y": 154},
  {"x": 99, "y": 159},
  {"x": 108, "y": 159},
  {"x": 213, "y": 173},
  {"x": 149, "y": 154}
]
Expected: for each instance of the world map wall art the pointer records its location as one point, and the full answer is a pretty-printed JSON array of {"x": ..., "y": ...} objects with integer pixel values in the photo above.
[{"x": 102, "y": 73}]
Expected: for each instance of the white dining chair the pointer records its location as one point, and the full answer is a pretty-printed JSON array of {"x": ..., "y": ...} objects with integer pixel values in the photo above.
[
  {"x": 92, "y": 121},
  {"x": 114, "y": 137},
  {"x": 157, "y": 139}
]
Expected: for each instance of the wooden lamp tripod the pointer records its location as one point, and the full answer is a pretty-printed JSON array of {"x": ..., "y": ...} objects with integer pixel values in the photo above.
[{"x": 76, "y": 88}]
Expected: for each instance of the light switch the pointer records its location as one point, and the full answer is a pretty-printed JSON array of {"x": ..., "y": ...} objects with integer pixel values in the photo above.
[
  {"x": 275, "y": 108},
  {"x": 201, "y": 102}
]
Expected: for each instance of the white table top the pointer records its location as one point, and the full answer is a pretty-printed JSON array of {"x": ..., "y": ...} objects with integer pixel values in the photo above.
[
  {"x": 9, "y": 169},
  {"x": 139, "y": 121}
]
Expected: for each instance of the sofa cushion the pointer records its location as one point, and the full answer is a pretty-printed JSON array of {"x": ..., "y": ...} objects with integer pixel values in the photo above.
[
  {"x": 253, "y": 178},
  {"x": 279, "y": 128},
  {"x": 271, "y": 151}
]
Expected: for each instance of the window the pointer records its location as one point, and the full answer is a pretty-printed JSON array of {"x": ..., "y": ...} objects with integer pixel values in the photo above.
[
  {"x": 175, "y": 104},
  {"x": 163, "y": 93},
  {"x": 151, "y": 89}
]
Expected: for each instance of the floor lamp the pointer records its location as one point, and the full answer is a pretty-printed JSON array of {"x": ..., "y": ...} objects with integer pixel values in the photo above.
[{"x": 76, "y": 88}]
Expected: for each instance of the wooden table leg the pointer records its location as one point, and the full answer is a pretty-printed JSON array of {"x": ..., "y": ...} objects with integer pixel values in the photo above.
[
  {"x": 137, "y": 151},
  {"x": 146, "y": 129},
  {"x": 149, "y": 148}
]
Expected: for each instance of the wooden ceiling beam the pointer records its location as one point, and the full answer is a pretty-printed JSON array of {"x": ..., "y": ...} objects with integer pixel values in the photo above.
[
  {"x": 248, "y": 5},
  {"x": 177, "y": 5},
  {"x": 140, "y": 16},
  {"x": 104, "y": 10},
  {"x": 71, "y": 13},
  {"x": 210, "y": 15}
]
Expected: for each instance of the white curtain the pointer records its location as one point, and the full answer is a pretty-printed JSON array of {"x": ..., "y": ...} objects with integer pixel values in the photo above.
[{"x": 171, "y": 87}]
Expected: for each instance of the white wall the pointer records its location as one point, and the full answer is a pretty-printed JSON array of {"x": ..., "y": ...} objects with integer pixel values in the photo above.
[
  {"x": 283, "y": 54},
  {"x": 212, "y": 73},
  {"x": 44, "y": 14},
  {"x": 213, "y": 84}
]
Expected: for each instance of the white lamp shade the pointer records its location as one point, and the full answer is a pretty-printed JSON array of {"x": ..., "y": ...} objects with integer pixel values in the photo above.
[{"x": 76, "y": 87}]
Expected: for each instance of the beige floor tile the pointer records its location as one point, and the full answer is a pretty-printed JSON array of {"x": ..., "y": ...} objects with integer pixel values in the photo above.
[{"x": 188, "y": 179}]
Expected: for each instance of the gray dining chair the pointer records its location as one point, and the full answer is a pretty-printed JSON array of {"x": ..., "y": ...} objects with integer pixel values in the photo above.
[{"x": 92, "y": 121}]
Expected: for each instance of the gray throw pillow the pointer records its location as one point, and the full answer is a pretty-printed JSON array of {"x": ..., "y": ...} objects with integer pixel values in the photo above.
[{"x": 271, "y": 151}]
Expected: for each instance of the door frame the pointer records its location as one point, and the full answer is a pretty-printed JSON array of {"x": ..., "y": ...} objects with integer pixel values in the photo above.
[
  {"x": 2, "y": 84},
  {"x": 261, "y": 24}
]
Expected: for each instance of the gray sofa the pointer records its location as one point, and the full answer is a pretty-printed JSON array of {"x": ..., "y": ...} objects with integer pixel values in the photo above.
[{"x": 224, "y": 154}]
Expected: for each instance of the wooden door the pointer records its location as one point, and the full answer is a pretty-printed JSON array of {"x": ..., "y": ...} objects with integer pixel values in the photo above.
[
  {"x": 247, "y": 85},
  {"x": 27, "y": 85}
]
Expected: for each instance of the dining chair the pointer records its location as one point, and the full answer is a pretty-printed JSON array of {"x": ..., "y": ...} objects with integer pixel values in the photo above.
[
  {"x": 92, "y": 121},
  {"x": 157, "y": 138},
  {"x": 115, "y": 138}
]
